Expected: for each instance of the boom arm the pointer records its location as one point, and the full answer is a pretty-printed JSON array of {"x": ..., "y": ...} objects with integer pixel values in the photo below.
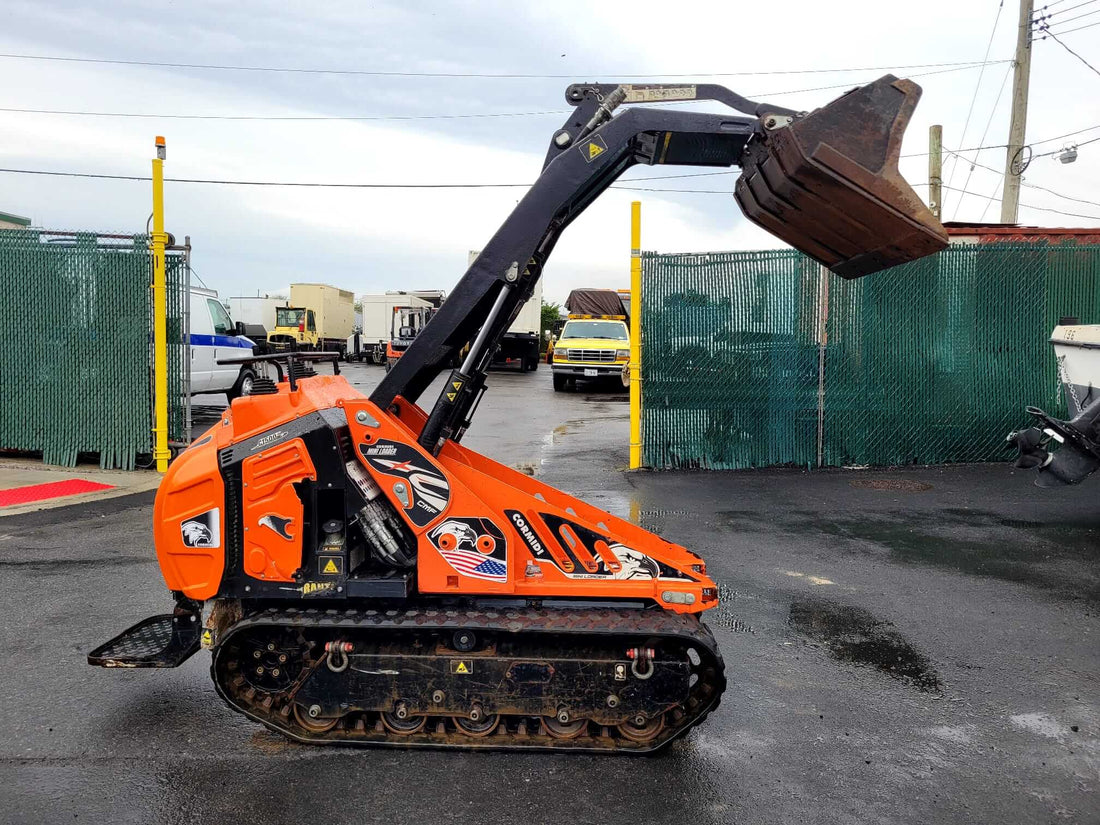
[{"x": 592, "y": 149}]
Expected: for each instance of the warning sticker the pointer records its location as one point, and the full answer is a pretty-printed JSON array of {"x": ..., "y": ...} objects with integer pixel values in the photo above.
[
  {"x": 463, "y": 666},
  {"x": 451, "y": 396},
  {"x": 330, "y": 565},
  {"x": 593, "y": 148},
  {"x": 456, "y": 384}
]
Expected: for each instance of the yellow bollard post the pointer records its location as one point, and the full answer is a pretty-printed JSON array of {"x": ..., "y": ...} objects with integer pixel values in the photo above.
[
  {"x": 157, "y": 241},
  {"x": 635, "y": 335}
]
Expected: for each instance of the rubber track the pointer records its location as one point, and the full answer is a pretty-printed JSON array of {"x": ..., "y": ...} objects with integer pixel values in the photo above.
[{"x": 634, "y": 625}]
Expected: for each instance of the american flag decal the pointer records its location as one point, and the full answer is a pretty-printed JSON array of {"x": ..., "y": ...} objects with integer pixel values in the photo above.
[
  {"x": 473, "y": 546},
  {"x": 472, "y": 563}
]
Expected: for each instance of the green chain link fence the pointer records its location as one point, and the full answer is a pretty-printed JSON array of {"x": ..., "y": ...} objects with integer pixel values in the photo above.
[
  {"x": 755, "y": 359},
  {"x": 76, "y": 366}
]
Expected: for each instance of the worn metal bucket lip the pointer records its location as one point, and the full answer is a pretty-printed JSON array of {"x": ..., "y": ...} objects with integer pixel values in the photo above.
[{"x": 854, "y": 217}]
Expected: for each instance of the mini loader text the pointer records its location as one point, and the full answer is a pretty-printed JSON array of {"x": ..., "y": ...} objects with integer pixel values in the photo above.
[{"x": 361, "y": 577}]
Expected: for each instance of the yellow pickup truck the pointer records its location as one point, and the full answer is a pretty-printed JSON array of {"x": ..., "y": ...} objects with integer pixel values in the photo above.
[{"x": 592, "y": 347}]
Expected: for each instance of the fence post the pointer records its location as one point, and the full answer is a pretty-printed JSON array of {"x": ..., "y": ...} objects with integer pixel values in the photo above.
[
  {"x": 157, "y": 241},
  {"x": 822, "y": 341},
  {"x": 635, "y": 335}
]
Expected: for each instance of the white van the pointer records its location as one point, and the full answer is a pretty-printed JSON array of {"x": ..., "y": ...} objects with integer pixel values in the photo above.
[{"x": 215, "y": 337}]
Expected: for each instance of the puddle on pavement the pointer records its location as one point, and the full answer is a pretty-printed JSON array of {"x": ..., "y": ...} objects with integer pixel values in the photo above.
[
  {"x": 982, "y": 544},
  {"x": 851, "y": 634},
  {"x": 725, "y": 615}
]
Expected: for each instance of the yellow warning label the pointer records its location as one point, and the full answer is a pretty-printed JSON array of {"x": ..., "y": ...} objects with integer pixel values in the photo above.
[
  {"x": 451, "y": 396},
  {"x": 456, "y": 384},
  {"x": 592, "y": 149},
  {"x": 330, "y": 565},
  {"x": 463, "y": 666}
]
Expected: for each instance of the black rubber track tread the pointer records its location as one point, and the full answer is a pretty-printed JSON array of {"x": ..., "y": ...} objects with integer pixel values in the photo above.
[{"x": 633, "y": 625}]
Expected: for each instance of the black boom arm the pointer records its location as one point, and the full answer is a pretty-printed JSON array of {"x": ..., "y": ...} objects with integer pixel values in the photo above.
[
  {"x": 826, "y": 182},
  {"x": 586, "y": 156}
]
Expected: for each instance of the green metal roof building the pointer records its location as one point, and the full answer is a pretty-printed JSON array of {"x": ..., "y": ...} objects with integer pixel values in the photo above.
[{"x": 8, "y": 221}]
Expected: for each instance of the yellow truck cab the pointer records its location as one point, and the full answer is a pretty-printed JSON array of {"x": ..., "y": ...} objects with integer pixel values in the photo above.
[
  {"x": 592, "y": 347},
  {"x": 295, "y": 329}
]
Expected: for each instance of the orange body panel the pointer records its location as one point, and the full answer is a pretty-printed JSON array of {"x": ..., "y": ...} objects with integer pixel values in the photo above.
[
  {"x": 273, "y": 548},
  {"x": 189, "y": 514},
  {"x": 481, "y": 528},
  {"x": 188, "y": 526},
  {"x": 624, "y": 555}
]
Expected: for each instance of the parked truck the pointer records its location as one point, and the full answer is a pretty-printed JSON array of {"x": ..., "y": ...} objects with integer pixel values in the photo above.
[
  {"x": 318, "y": 317},
  {"x": 519, "y": 346},
  {"x": 375, "y": 331},
  {"x": 406, "y": 322},
  {"x": 257, "y": 313}
]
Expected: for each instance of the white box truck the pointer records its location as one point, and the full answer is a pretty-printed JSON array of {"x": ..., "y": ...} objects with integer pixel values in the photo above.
[
  {"x": 369, "y": 343},
  {"x": 319, "y": 317},
  {"x": 257, "y": 313}
]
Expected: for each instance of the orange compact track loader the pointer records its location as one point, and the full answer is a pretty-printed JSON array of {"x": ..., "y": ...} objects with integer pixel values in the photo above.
[{"x": 361, "y": 577}]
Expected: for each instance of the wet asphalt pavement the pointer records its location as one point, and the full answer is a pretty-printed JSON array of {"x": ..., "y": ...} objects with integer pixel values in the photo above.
[{"x": 915, "y": 645}]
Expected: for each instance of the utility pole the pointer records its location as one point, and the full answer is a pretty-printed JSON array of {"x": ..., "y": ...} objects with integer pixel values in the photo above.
[
  {"x": 935, "y": 170},
  {"x": 1010, "y": 197},
  {"x": 635, "y": 366},
  {"x": 157, "y": 241}
]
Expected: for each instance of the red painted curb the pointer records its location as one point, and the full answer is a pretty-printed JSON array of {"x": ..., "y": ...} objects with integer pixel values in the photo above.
[{"x": 52, "y": 489}]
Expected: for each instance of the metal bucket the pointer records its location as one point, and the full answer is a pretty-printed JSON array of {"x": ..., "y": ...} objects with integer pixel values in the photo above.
[{"x": 828, "y": 183}]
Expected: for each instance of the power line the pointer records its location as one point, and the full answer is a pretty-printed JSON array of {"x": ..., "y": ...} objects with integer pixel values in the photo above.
[
  {"x": 1038, "y": 208},
  {"x": 322, "y": 185},
  {"x": 1044, "y": 16},
  {"x": 1048, "y": 5},
  {"x": 482, "y": 75},
  {"x": 278, "y": 117},
  {"x": 1079, "y": 28},
  {"x": 1033, "y": 185},
  {"x": 992, "y": 197},
  {"x": 985, "y": 132},
  {"x": 433, "y": 186},
  {"x": 308, "y": 118},
  {"x": 1071, "y": 19},
  {"x": 977, "y": 88},
  {"x": 1002, "y": 145},
  {"x": 307, "y": 184},
  {"x": 1054, "y": 37},
  {"x": 1056, "y": 151}
]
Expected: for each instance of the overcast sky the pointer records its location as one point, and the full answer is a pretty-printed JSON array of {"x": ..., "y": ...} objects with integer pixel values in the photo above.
[{"x": 261, "y": 239}]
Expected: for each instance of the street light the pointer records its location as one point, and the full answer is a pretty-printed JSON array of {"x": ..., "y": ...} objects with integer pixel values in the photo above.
[{"x": 1068, "y": 154}]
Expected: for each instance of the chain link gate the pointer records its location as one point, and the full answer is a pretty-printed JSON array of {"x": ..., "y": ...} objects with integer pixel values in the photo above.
[
  {"x": 755, "y": 359},
  {"x": 76, "y": 365}
]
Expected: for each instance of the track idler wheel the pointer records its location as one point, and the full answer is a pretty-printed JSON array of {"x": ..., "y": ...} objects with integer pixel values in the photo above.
[
  {"x": 478, "y": 723},
  {"x": 309, "y": 719},
  {"x": 640, "y": 729},
  {"x": 563, "y": 726},
  {"x": 401, "y": 722}
]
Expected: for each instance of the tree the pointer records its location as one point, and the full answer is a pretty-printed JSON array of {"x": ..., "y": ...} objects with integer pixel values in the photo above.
[{"x": 551, "y": 313}]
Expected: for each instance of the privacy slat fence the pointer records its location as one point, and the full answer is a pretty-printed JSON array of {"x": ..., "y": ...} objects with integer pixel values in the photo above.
[
  {"x": 754, "y": 359},
  {"x": 75, "y": 369}
]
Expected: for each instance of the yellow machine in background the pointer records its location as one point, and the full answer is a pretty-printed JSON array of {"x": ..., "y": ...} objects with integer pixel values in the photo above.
[{"x": 319, "y": 318}]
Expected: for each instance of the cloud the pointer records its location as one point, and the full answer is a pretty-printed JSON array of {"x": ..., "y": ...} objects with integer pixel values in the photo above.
[{"x": 249, "y": 238}]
